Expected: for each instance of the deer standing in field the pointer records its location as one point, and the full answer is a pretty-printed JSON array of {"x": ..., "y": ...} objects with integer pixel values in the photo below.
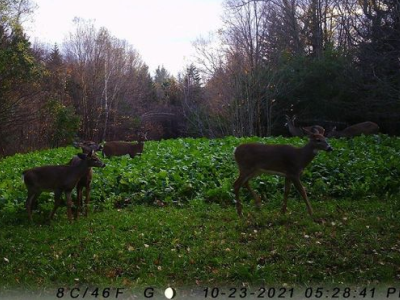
[
  {"x": 59, "y": 179},
  {"x": 117, "y": 148},
  {"x": 366, "y": 128},
  {"x": 254, "y": 159},
  {"x": 302, "y": 131},
  {"x": 86, "y": 179}
]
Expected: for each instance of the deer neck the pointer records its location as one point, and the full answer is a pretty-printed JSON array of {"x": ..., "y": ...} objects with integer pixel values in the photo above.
[
  {"x": 308, "y": 153},
  {"x": 79, "y": 169},
  {"x": 295, "y": 131},
  {"x": 292, "y": 128}
]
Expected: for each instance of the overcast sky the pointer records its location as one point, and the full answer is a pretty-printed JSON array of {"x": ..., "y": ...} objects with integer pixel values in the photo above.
[{"x": 160, "y": 30}]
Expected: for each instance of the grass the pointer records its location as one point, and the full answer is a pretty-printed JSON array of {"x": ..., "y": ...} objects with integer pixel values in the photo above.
[{"x": 347, "y": 241}]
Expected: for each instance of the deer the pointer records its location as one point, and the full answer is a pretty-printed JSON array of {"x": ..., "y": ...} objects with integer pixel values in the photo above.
[
  {"x": 86, "y": 179},
  {"x": 254, "y": 159},
  {"x": 302, "y": 131},
  {"x": 117, "y": 148},
  {"x": 59, "y": 179},
  {"x": 366, "y": 128}
]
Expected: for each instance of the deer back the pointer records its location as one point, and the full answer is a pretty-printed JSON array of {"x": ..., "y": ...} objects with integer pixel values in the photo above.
[
  {"x": 54, "y": 177},
  {"x": 366, "y": 128},
  {"x": 116, "y": 148},
  {"x": 274, "y": 159},
  {"x": 62, "y": 177},
  {"x": 284, "y": 160},
  {"x": 361, "y": 128}
]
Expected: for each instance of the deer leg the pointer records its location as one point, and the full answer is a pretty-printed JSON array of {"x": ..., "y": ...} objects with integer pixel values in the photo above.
[
  {"x": 236, "y": 186},
  {"x": 32, "y": 197},
  {"x": 28, "y": 204},
  {"x": 303, "y": 193},
  {"x": 78, "y": 206},
  {"x": 243, "y": 179},
  {"x": 87, "y": 199},
  {"x": 34, "y": 204},
  {"x": 57, "y": 202},
  {"x": 288, "y": 184},
  {"x": 69, "y": 205},
  {"x": 255, "y": 196}
]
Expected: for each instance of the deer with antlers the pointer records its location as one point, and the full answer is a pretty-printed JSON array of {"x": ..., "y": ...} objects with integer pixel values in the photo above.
[{"x": 302, "y": 131}]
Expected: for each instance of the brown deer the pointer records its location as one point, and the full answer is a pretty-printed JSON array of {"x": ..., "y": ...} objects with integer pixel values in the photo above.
[
  {"x": 86, "y": 179},
  {"x": 117, "y": 148},
  {"x": 302, "y": 131},
  {"x": 366, "y": 128},
  {"x": 59, "y": 179},
  {"x": 284, "y": 160}
]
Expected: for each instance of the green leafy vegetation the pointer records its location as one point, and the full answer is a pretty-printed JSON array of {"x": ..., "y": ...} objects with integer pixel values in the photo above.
[
  {"x": 167, "y": 217},
  {"x": 182, "y": 170}
]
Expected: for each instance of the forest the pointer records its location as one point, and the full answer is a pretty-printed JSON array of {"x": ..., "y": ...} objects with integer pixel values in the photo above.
[{"x": 329, "y": 62}]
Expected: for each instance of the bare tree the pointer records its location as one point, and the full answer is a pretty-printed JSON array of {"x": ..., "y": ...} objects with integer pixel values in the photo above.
[{"x": 103, "y": 71}]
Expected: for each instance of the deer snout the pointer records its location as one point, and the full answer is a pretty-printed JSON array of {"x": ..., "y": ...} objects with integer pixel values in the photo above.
[{"x": 329, "y": 149}]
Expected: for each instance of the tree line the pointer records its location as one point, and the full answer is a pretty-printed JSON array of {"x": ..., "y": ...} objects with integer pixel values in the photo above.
[
  {"x": 330, "y": 62},
  {"x": 327, "y": 61}
]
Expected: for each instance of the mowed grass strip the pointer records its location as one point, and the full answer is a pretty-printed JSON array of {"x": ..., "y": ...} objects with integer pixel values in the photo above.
[{"x": 347, "y": 241}]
